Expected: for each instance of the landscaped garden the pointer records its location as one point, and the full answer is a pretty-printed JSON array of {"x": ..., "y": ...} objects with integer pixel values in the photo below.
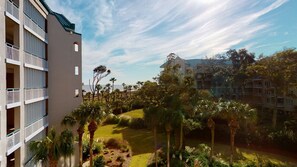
[
  {"x": 141, "y": 143},
  {"x": 169, "y": 122}
]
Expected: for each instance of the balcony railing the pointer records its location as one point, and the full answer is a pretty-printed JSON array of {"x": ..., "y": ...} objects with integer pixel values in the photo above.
[
  {"x": 35, "y": 61},
  {"x": 12, "y": 52},
  {"x": 13, "y": 139},
  {"x": 35, "y": 127},
  {"x": 13, "y": 95},
  {"x": 12, "y": 9},
  {"x": 31, "y": 94},
  {"x": 35, "y": 28}
]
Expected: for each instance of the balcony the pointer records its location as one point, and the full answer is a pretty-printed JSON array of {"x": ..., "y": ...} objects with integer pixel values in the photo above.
[
  {"x": 35, "y": 62},
  {"x": 35, "y": 128},
  {"x": 13, "y": 98},
  {"x": 34, "y": 95},
  {"x": 12, "y": 54},
  {"x": 13, "y": 141},
  {"x": 32, "y": 27},
  {"x": 12, "y": 11}
]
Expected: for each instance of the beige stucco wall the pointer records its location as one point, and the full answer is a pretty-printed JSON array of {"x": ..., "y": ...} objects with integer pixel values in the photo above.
[
  {"x": 62, "y": 81},
  {"x": 2, "y": 85}
]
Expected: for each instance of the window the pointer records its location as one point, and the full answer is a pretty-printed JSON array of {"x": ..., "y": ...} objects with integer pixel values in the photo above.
[
  {"x": 76, "y": 71},
  {"x": 76, "y": 93},
  {"x": 75, "y": 46}
]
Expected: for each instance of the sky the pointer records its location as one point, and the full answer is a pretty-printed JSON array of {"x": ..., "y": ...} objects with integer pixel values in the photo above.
[{"x": 133, "y": 37}]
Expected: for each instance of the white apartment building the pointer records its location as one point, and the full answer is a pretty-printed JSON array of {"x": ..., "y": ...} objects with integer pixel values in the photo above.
[{"x": 40, "y": 75}]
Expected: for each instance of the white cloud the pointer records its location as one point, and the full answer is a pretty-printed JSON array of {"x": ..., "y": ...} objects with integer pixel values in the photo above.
[{"x": 149, "y": 30}]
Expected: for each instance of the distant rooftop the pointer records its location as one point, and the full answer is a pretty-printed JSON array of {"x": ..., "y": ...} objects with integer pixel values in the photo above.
[
  {"x": 66, "y": 24},
  {"x": 194, "y": 62}
]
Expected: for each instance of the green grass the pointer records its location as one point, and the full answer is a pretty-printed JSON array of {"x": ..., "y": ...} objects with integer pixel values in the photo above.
[
  {"x": 142, "y": 144},
  {"x": 135, "y": 113},
  {"x": 141, "y": 141},
  {"x": 245, "y": 154}
]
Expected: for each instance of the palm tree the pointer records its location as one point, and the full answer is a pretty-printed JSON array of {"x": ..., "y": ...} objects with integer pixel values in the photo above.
[
  {"x": 78, "y": 116},
  {"x": 46, "y": 149},
  {"x": 234, "y": 111},
  {"x": 98, "y": 88},
  {"x": 170, "y": 118},
  {"x": 208, "y": 109},
  {"x": 112, "y": 80},
  {"x": 94, "y": 119},
  {"x": 66, "y": 145},
  {"x": 152, "y": 117}
]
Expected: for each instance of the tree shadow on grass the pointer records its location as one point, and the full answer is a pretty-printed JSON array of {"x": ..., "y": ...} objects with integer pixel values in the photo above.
[{"x": 141, "y": 141}]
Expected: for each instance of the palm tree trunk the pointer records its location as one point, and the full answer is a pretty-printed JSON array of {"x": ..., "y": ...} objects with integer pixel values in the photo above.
[
  {"x": 80, "y": 132},
  {"x": 177, "y": 137},
  {"x": 211, "y": 126},
  {"x": 233, "y": 125},
  {"x": 98, "y": 97},
  {"x": 92, "y": 128},
  {"x": 168, "y": 148},
  {"x": 274, "y": 117},
  {"x": 65, "y": 158},
  {"x": 212, "y": 141},
  {"x": 156, "y": 146},
  {"x": 53, "y": 163},
  {"x": 181, "y": 136},
  {"x": 232, "y": 145},
  {"x": 70, "y": 162},
  {"x": 91, "y": 146}
]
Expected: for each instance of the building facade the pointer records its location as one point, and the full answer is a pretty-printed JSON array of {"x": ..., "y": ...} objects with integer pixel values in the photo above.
[
  {"x": 40, "y": 75},
  {"x": 257, "y": 92}
]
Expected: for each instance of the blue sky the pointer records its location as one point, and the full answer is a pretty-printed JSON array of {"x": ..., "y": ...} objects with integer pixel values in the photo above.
[{"x": 133, "y": 37}]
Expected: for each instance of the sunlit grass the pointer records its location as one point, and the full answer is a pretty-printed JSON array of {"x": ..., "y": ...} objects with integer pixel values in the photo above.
[
  {"x": 142, "y": 144},
  {"x": 135, "y": 113}
]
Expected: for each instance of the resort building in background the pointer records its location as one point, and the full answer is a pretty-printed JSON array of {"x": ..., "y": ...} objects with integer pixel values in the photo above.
[
  {"x": 40, "y": 75},
  {"x": 257, "y": 92}
]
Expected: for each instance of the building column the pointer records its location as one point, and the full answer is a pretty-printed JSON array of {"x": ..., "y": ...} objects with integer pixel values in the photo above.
[
  {"x": 2, "y": 86},
  {"x": 22, "y": 149}
]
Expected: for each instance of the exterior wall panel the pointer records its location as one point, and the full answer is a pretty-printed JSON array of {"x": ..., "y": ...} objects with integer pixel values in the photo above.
[{"x": 62, "y": 60}]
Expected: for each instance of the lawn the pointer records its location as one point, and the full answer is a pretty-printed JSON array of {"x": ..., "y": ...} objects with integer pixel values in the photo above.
[
  {"x": 142, "y": 143},
  {"x": 135, "y": 113}
]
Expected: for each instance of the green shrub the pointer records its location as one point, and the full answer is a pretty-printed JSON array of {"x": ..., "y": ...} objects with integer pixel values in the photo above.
[
  {"x": 97, "y": 147},
  {"x": 117, "y": 144},
  {"x": 137, "y": 123},
  {"x": 124, "y": 120},
  {"x": 111, "y": 119},
  {"x": 99, "y": 161},
  {"x": 217, "y": 163},
  {"x": 113, "y": 143},
  {"x": 85, "y": 149}
]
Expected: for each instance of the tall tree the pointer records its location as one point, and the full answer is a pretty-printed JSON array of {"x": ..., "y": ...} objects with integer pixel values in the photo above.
[
  {"x": 171, "y": 114},
  {"x": 98, "y": 89},
  {"x": 78, "y": 116},
  {"x": 67, "y": 145},
  {"x": 94, "y": 119},
  {"x": 151, "y": 97},
  {"x": 46, "y": 149},
  {"x": 98, "y": 73},
  {"x": 208, "y": 109},
  {"x": 229, "y": 70},
  {"x": 280, "y": 69},
  {"x": 234, "y": 112},
  {"x": 112, "y": 80}
]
